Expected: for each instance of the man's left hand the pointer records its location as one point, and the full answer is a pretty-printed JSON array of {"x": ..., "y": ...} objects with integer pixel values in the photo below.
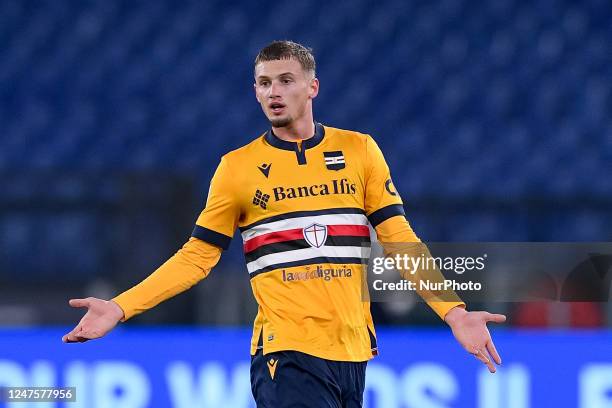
[{"x": 470, "y": 330}]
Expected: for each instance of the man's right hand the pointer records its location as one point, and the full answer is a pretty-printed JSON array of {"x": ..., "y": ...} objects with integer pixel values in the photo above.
[{"x": 101, "y": 317}]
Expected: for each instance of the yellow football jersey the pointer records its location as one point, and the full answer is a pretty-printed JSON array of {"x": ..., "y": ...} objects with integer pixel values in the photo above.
[{"x": 304, "y": 211}]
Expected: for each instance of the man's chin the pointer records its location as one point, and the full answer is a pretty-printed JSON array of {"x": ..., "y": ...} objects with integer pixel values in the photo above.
[{"x": 280, "y": 122}]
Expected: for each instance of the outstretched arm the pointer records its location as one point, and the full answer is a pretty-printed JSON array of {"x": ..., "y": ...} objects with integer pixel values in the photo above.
[
  {"x": 192, "y": 263},
  {"x": 469, "y": 328},
  {"x": 186, "y": 268},
  {"x": 385, "y": 210}
]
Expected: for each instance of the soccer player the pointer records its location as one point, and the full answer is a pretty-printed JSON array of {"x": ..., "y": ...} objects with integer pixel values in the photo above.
[{"x": 303, "y": 196}]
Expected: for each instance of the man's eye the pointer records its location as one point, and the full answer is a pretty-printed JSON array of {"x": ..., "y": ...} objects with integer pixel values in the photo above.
[
  {"x": 286, "y": 81},
  {"x": 264, "y": 83}
]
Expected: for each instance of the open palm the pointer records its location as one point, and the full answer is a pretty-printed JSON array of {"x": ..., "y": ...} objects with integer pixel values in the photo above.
[
  {"x": 101, "y": 317},
  {"x": 470, "y": 330}
]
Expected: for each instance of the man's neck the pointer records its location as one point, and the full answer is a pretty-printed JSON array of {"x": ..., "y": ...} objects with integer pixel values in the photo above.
[{"x": 301, "y": 130}]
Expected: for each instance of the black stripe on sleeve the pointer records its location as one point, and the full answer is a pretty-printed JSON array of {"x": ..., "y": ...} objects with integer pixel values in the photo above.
[
  {"x": 212, "y": 237},
  {"x": 373, "y": 344},
  {"x": 260, "y": 339},
  {"x": 385, "y": 213}
]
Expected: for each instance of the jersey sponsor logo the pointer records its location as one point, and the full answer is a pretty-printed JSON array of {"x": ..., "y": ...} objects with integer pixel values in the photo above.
[
  {"x": 390, "y": 187},
  {"x": 265, "y": 169},
  {"x": 334, "y": 160},
  {"x": 342, "y": 186},
  {"x": 261, "y": 199},
  {"x": 315, "y": 235},
  {"x": 319, "y": 272}
]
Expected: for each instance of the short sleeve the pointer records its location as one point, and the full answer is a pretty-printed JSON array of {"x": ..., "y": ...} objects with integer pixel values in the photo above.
[
  {"x": 217, "y": 222},
  {"x": 382, "y": 201}
]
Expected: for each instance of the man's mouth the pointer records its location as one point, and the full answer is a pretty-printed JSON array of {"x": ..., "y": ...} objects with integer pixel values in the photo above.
[{"x": 277, "y": 107}]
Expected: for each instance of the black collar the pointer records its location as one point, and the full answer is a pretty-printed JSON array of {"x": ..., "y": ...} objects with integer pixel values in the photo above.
[{"x": 306, "y": 144}]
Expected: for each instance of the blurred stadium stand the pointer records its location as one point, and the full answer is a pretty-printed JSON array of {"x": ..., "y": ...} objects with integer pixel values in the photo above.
[{"x": 495, "y": 118}]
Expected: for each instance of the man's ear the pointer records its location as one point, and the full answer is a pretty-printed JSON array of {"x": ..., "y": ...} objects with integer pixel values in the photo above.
[
  {"x": 255, "y": 89},
  {"x": 313, "y": 88}
]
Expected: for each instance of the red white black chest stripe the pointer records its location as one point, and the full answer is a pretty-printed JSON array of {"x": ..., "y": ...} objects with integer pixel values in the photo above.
[{"x": 333, "y": 236}]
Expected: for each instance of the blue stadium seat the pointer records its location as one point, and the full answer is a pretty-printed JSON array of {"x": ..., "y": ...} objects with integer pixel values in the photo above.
[{"x": 497, "y": 101}]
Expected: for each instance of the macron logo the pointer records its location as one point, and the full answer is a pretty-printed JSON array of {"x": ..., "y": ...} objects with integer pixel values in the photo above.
[{"x": 265, "y": 169}]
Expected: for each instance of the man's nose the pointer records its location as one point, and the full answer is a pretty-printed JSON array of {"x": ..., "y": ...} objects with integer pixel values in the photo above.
[{"x": 274, "y": 90}]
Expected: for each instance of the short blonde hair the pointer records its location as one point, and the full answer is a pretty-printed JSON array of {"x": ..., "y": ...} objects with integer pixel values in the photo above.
[{"x": 279, "y": 50}]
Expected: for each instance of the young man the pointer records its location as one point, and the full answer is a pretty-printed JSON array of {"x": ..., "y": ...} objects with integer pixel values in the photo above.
[{"x": 303, "y": 196}]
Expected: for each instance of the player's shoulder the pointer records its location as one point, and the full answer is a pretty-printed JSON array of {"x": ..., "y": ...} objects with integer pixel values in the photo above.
[
  {"x": 346, "y": 137},
  {"x": 331, "y": 131},
  {"x": 247, "y": 151}
]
